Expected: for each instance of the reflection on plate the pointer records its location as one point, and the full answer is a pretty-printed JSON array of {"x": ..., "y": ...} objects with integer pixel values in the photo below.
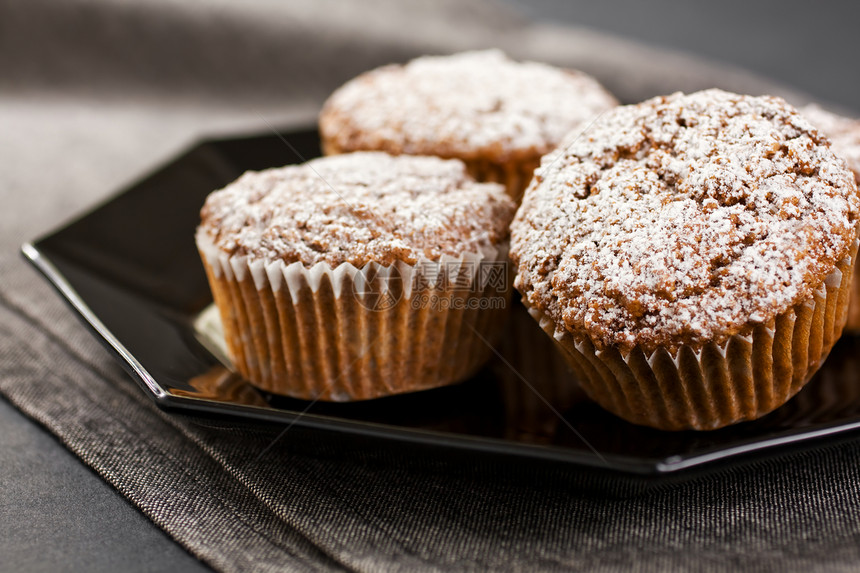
[{"x": 131, "y": 270}]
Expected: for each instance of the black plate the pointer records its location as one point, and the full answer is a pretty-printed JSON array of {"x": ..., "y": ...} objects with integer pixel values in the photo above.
[{"x": 131, "y": 270}]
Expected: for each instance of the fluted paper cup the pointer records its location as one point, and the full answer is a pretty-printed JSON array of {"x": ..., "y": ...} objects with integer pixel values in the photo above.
[
  {"x": 713, "y": 385},
  {"x": 347, "y": 333}
]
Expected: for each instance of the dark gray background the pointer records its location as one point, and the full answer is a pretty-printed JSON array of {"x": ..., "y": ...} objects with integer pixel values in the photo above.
[
  {"x": 812, "y": 46},
  {"x": 55, "y": 514}
]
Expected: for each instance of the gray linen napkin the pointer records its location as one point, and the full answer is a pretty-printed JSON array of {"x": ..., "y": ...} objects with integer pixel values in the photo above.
[
  {"x": 244, "y": 499},
  {"x": 134, "y": 85}
]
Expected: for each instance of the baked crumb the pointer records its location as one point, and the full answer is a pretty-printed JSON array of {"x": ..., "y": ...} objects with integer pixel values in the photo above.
[
  {"x": 468, "y": 105},
  {"x": 683, "y": 219},
  {"x": 357, "y": 208}
]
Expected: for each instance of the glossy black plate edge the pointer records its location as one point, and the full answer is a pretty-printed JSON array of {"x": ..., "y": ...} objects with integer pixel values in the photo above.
[
  {"x": 644, "y": 472},
  {"x": 620, "y": 466},
  {"x": 31, "y": 253},
  {"x": 686, "y": 465}
]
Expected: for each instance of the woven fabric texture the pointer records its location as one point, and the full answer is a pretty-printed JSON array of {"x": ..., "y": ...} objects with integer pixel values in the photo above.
[{"x": 246, "y": 498}]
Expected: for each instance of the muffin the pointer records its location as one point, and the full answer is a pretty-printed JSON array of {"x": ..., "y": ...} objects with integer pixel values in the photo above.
[
  {"x": 843, "y": 132},
  {"x": 844, "y": 135},
  {"x": 691, "y": 256},
  {"x": 497, "y": 115},
  {"x": 357, "y": 276}
]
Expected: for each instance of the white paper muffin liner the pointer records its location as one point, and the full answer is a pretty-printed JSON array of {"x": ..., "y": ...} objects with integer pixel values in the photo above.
[
  {"x": 713, "y": 385},
  {"x": 348, "y": 333}
]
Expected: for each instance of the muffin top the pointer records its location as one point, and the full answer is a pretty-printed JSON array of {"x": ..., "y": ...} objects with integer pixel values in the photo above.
[
  {"x": 843, "y": 132},
  {"x": 473, "y": 105},
  {"x": 357, "y": 208},
  {"x": 683, "y": 219}
]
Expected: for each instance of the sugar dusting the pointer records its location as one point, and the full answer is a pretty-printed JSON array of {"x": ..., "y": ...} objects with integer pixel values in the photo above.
[
  {"x": 473, "y": 104},
  {"x": 357, "y": 208},
  {"x": 682, "y": 220},
  {"x": 843, "y": 132}
]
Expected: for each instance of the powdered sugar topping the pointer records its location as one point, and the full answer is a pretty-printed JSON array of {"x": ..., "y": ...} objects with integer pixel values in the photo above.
[
  {"x": 357, "y": 208},
  {"x": 473, "y": 104},
  {"x": 683, "y": 219}
]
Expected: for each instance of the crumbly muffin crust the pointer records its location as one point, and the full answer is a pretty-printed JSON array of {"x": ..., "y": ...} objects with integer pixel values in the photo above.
[
  {"x": 473, "y": 105},
  {"x": 357, "y": 208},
  {"x": 682, "y": 220},
  {"x": 843, "y": 132}
]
